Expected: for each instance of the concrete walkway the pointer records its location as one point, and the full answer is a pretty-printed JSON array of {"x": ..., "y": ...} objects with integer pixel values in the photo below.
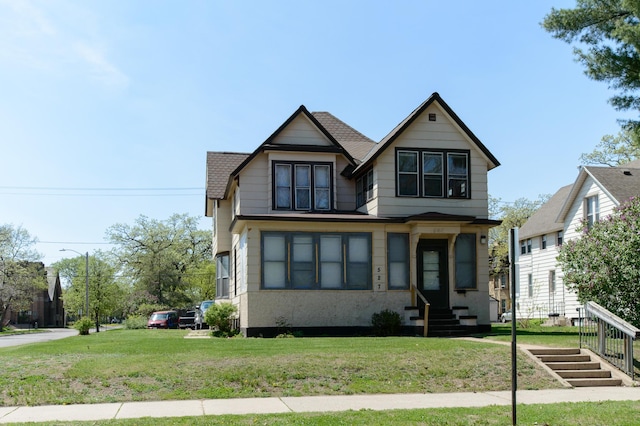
[{"x": 212, "y": 407}]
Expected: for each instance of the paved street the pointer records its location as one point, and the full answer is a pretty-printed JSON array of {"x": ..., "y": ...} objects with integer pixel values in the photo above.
[{"x": 46, "y": 335}]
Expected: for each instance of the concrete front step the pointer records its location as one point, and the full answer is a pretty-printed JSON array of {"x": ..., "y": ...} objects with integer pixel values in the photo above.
[
  {"x": 575, "y": 367},
  {"x": 594, "y": 382},
  {"x": 584, "y": 374},
  {"x": 564, "y": 358}
]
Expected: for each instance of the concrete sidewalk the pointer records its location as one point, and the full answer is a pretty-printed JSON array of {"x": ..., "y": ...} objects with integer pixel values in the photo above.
[{"x": 212, "y": 407}]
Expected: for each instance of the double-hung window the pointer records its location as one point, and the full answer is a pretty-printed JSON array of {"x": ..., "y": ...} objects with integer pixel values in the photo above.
[
  {"x": 398, "y": 261},
  {"x": 432, "y": 173},
  {"x": 465, "y": 249},
  {"x": 302, "y": 186},
  {"x": 319, "y": 261},
  {"x": 364, "y": 188},
  {"x": 592, "y": 210},
  {"x": 222, "y": 276}
]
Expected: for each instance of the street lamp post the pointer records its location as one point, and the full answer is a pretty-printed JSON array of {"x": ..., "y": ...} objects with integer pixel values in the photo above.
[{"x": 86, "y": 279}]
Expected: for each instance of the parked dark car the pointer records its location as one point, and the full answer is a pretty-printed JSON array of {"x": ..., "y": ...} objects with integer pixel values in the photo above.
[
  {"x": 191, "y": 319},
  {"x": 163, "y": 319}
]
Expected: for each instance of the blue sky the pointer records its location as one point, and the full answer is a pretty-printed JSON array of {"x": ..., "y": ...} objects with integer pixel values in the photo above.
[{"x": 132, "y": 94}]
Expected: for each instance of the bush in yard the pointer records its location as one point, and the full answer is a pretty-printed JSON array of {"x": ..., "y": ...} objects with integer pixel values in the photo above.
[
  {"x": 386, "y": 323},
  {"x": 134, "y": 322},
  {"x": 219, "y": 316},
  {"x": 83, "y": 325},
  {"x": 603, "y": 265}
]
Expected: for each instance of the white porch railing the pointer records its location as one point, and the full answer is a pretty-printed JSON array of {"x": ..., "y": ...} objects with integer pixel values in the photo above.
[{"x": 608, "y": 335}]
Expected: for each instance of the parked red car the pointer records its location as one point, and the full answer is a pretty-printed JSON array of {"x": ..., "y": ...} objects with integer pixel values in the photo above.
[{"x": 163, "y": 319}]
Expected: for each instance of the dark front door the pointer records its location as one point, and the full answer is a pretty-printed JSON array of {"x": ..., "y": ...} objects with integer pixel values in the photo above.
[{"x": 433, "y": 281}]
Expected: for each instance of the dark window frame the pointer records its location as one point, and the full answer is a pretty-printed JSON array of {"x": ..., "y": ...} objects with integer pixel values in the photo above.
[
  {"x": 293, "y": 187},
  {"x": 350, "y": 278},
  {"x": 448, "y": 188},
  {"x": 222, "y": 280},
  {"x": 392, "y": 257},
  {"x": 466, "y": 261},
  {"x": 364, "y": 188}
]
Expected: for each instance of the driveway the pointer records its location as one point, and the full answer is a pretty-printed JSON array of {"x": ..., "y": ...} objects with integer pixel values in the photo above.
[{"x": 47, "y": 335}]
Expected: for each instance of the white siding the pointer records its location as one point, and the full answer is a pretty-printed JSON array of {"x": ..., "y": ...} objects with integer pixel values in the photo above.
[{"x": 540, "y": 262}]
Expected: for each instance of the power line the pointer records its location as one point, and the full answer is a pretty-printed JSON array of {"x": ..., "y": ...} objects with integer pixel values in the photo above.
[{"x": 52, "y": 188}]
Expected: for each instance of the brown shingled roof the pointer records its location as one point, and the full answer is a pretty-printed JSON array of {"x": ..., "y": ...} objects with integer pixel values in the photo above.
[
  {"x": 220, "y": 165},
  {"x": 621, "y": 182},
  {"x": 545, "y": 219},
  {"x": 357, "y": 144}
]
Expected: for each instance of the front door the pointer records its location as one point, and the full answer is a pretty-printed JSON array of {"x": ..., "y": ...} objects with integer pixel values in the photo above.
[{"x": 433, "y": 280}]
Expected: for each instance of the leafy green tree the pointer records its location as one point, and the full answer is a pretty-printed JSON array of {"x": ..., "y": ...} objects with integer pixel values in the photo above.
[
  {"x": 613, "y": 151},
  {"x": 161, "y": 257},
  {"x": 603, "y": 264},
  {"x": 512, "y": 215},
  {"x": 21, "y": 275},
  {"x": 105, "y": 293},
  {"x": 609, "y": 35}
]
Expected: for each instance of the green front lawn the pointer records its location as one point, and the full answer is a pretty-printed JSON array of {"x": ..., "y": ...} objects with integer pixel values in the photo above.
[{"x": 137, "y": 365}]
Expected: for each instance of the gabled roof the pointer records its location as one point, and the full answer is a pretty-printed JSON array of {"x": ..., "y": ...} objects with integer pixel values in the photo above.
[
  {"x": 53, "y": 283},
  {"x": 230, "y": 164},
  {"x": 357, "y": 144},
  {"x": 404, "y": 124},
  {"x": 545, "y": 219},
  {"x": 619, "y": 183},
  {"x": 220, "y": 166}
]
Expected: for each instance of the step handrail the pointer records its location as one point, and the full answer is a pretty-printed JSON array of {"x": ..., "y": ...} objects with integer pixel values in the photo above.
[
  {"x": 426, "y": 311},
  {"x": 608, "y": 335}
]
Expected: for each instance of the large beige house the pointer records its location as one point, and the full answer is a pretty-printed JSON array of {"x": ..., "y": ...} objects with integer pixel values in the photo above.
[{"x": 320, "y": 227}]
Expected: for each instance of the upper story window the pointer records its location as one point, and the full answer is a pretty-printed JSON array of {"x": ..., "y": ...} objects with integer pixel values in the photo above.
[
  {"x": 525, "y": 246},
  {"x": 364, "y": 188},
  {"x": 559, "y": 238},
  {"x": 302, "y": 186},
  {"x": 591, "y": 210},
  {"x": 432, "y": 173},
  {"x": 543, "y": 242}
]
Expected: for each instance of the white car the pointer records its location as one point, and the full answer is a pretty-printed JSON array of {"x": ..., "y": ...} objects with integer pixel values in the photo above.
[{"x": 505, "y": 317}]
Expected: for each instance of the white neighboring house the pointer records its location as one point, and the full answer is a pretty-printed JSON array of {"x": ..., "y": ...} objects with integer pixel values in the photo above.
[{"x": 595, "y": 194}]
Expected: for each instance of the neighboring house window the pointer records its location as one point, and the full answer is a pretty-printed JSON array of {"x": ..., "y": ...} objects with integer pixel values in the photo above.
[
  {"x": 222, "y": 276},
  {"x": 530, "y": 284},
  {"x": 432, "y": 173},
  {"x": 592, "y": 210},
  {"x": 528, "y": 245},
  {"x": 503, "y": 281},
  {"x": 398, "y": 260},
  {"x": 465, "y": 250},
  {"x": 364, "y": 188},
  {"x": 559, "y": 238},
  {"x": 543, "y": 242},
  {"x": 525, "y": 246},
  {"x": 302, "y": 186},
  {"x": 307, "y": 260},
  {"x": 503, "y": 305}
]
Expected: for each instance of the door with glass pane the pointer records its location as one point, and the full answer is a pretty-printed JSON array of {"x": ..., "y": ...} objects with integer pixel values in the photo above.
[{"x": 433, "y": 280}]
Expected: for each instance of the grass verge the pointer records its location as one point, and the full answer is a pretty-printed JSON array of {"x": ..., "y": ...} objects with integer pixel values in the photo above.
[{"x": 140, "y": 365}]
